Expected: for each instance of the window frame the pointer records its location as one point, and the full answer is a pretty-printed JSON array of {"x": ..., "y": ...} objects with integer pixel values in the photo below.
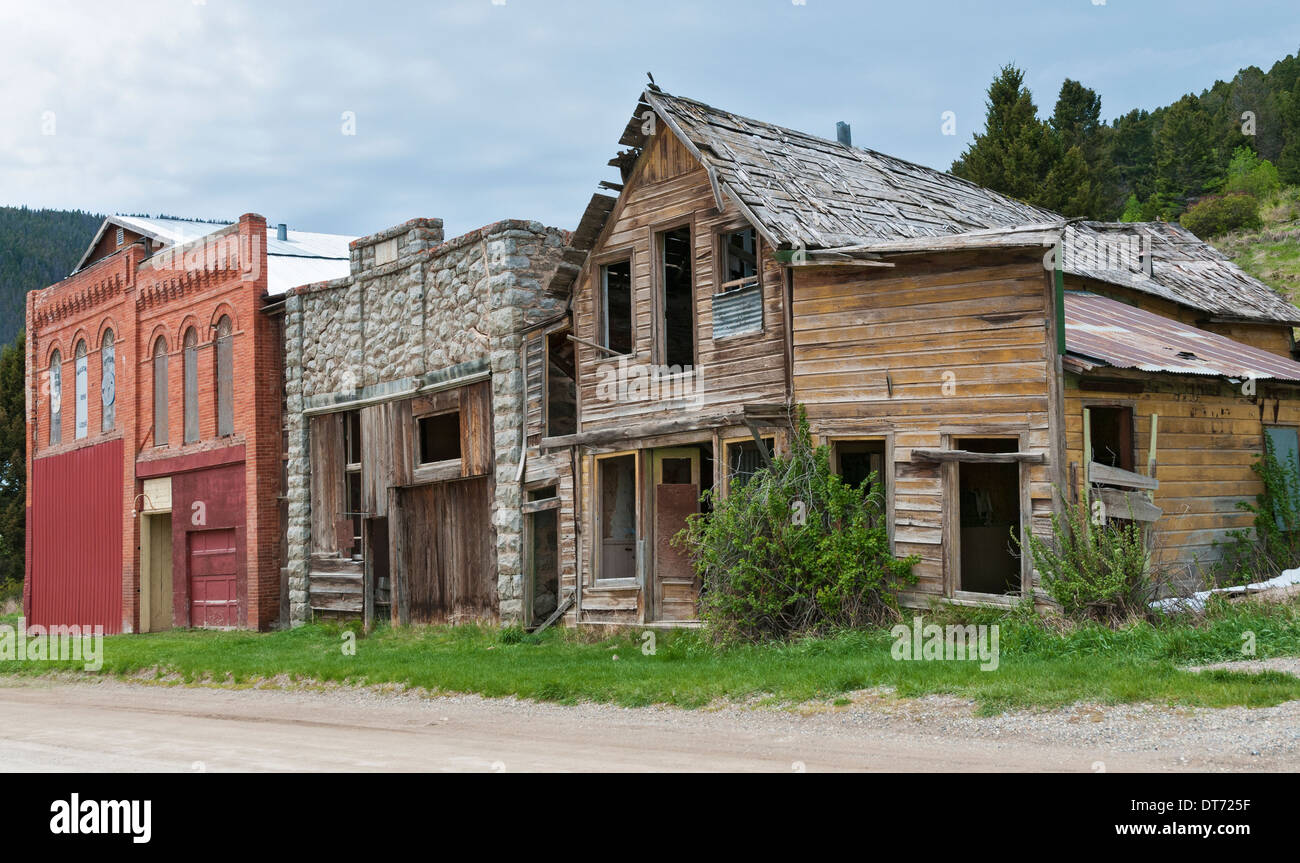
[
  {"x": 889, "y": 470},
  {"x": 191, "y": 431},
  {"x": 107, "y": 367},
  {"x": 598, "y": 533},
  {"x": 601, "y": 301},
  {"x": 720, "y": 248},
  {"x": 161, "y": 409},
  {"x": 659, "y": 288},
  {"x": 420, "y": 461},
  {"x": 223, "y": 349},
  {"x": 55, "y": 379},
  {"x": 81, "y": 390},
  {"x": 740, "y": 440}
]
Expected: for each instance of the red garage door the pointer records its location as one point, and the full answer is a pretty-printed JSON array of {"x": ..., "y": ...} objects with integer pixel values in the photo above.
[{"x": 214, "y": 601}]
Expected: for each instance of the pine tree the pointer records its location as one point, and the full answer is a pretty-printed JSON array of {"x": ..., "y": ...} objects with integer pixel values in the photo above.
[
  {"x": 1016, "y": 150},
  {"x": 1076, "y": 120},
  {"x": 1186, "y": 164},
  {"x": 13, "y": 461},
  {"x": 1288, "y": 163}
]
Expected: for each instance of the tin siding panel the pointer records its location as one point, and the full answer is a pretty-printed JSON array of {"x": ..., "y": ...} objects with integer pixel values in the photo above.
[
  {"x": 738, "y": 312},
  {"x": 77, "y": 538}
]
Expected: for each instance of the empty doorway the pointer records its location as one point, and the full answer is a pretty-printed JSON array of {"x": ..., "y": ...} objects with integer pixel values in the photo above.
[{"x": 989, "y": 513}]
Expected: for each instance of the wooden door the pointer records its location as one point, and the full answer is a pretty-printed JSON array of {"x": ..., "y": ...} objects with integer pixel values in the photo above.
[
  {"x": 214, "y": 568},
  {"x": 676, "y": 482}
]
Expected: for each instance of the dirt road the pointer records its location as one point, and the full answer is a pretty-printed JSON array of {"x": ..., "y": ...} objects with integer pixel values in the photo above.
[{"x": 48, "y": 725}]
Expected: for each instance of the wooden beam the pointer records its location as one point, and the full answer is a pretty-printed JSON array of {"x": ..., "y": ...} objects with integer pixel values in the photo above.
[
  {"x": 1128, "y": 505},
  {"x": 634, "y": 431},
  {"x": 1104, "y": 474},
  {"x": 571, "y": 337},
  {"x": 961, "y": 455}
]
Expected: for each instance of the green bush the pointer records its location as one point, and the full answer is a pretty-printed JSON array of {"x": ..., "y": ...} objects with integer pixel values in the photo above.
[
  {"x": 1248, "y": 174},
  {"x": 1218, "y": 215},
  {"x": 1273, "y": 545},
  {"x": 1095, "y": 571},
  {"x": 794, "y": 551}
]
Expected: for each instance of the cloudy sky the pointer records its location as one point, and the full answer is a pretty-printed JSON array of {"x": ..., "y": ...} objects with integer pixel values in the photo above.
[{"x": 480, "y": 110}]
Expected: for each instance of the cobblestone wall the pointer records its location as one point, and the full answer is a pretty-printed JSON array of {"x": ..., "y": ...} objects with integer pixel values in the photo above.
[{"x": 416, "y": 305}]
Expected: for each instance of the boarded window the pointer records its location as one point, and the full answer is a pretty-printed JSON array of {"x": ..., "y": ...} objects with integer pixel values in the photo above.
[
  {"x": 56, "y": 398},
  {"x": 561, "y": 393},
  {"x": 618, "y": 537},
  {"x": 191, "y": 366},
  {"x": 616, "y": 307},
  {"x": 386, "y": 252},
  {"x": 440, "y": 437},
  {"x": 160, "y": 393},
  {"x": 744, "y": 459},
  {"x": 225, "y": 350},
  {"x": 108, "y": 382},
  {"x": 738, "y": 312},
  {"x": 82, "y": 372},
  {"x": 677, "y": 299}
]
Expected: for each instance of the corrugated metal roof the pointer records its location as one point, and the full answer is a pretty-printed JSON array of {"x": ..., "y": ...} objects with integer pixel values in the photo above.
[
  {"x": 303, "y": 258},
  {"x": 1103, "y": 332}
]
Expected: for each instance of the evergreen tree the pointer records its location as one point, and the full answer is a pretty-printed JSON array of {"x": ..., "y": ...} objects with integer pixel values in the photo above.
[
  {"x": 13, "y": 461},
  {"x": 1186, "y": 164},
  {"x": 1288, "y": 163},
  {"x": 1016, "y": 150},
  {"x": 1076, "y": 121}
]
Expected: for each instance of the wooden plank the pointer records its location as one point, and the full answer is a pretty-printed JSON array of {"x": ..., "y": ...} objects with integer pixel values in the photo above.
[
  {"x": 477, "y": 444},
  {"x": 1104, "y": 474},
  {"x": 958, "y": 455},
  {"x": 1127, "y": 505},
  {"x": 327, "y": 481}
]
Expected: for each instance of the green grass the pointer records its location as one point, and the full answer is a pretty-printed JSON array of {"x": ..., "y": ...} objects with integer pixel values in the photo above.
[
  {"x": 1039, "y": 667},
  {"x": 1272, "y": 253}
]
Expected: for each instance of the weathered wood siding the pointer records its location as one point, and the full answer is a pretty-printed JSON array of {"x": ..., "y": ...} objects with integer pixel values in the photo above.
[
  {"x": 666, "y": 188},
  {"x": 447, "y": 553},
  {"x": 1208, "y": 435},
  {"x": 955, "y": 343}
]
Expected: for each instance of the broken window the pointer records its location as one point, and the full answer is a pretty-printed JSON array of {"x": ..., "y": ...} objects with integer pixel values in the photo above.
[
  {"x": 440, "y": 437},
  {"x": 191, "y": 365},
  {"x": 678, "y": 302},
  {"x": 744, "y": 459},
  {"x": 616, "y": 307},
  {"x": 561, "y": 392},
  {"x": 989, "y": 512},
  {"x": 353, "y": 503},
  {"x": 1285, "y": 446},
  {"x": 1111, "y": 431},
  {"x": 618, "y": 534},
  {"x": 857, "y": 460},
  {"x": 544, "y": 555},
  {"x": 739, "y": 259}
]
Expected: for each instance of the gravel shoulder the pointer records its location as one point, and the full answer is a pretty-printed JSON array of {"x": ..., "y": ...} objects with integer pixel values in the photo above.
[{"x": 49, "y": 724}]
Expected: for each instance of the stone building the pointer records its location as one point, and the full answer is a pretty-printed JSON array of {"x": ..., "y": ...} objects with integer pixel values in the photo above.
[{"x": 408, "y": 497}]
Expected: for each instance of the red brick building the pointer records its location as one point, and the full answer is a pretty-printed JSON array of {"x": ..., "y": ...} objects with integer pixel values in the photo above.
[{"x": 154, "y": 402}]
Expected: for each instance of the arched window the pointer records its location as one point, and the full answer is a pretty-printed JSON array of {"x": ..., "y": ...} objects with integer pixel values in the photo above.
[
  {"x": 160, "y": 392},
  {"x": 191, "y": 358},
  {"x": 225, "y": 378},
  {"x": 56, "y": 398},
  {"x": 108, "y": 382},
  {"x": 82, "y": 371}
]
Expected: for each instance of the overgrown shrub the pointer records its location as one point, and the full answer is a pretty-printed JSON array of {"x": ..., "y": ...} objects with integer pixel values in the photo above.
[
  {"x": 1249, "y": 174},
  {"x": 1220, "y": 214},
  {"x": 794, "y": 551},
  {"x": 1095, "y": 571},
  {"x": 1273, "y": 544}
]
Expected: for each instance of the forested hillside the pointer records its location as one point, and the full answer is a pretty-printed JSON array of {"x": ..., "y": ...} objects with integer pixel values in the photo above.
[
  {"x": 37, "y": 248},
  {"x": 1142, "y": 165}
]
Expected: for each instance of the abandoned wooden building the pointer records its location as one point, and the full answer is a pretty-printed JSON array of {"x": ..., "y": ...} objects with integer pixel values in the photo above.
[
  {"x": 987, "y": 359},
  {"x": 408, "y": 495}
]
